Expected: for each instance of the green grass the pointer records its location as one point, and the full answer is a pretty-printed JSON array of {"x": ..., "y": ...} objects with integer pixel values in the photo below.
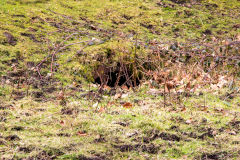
[
  {"x": 35, "y": 124},
  {"x": 38, "y": 25},
  {"x": 84, "y": 131}
]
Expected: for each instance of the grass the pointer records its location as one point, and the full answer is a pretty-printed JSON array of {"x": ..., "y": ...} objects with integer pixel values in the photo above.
[
  {"x": 36, "y": 123},
  {"x": 38, "y": 26},
  {"x": 147, "y": 130}
]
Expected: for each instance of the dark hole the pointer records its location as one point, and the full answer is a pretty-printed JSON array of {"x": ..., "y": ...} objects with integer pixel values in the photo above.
[{"x": 110, "y": 78}]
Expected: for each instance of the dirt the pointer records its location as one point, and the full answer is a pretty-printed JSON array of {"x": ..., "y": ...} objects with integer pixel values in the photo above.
[
  {"x": 214, "y": 156},
  {"x": 10, "y": 38},
  {"x": 2, "y": 142},
  {"x": 49, "y": 154},
  {"x": 207, "y": 31},
  {"x": 42, "y": 155},
  {"x": 2, "y": 107},
  {"x": 83, "y": 157},
  {"x": 228, "y": 96},
  {"x": 17, "y": 128},
  {"x": 190, "y": 134},
  {"x": 99, "y": 139},
  {"x": 206, "y": 132},
  {"x": 64, "y": 135},
  {"x": 3, "y": 118},
  {"x": 31, "y": 36},
  {"x": 69, "y": 110},
  {"x": 236, "y": 26},
  {"x": 169, "y": 136},
  {"x": 40, "y": 109},
  {"x": 12, "y": 138},
  {"x": 26, "y": 149},
  {"x": 235, "y": 124},
  {"x": 179, "y": 1},
  {"x": 155, "y": 134},
  {"x": 17, "y": 95},
  {"x": 17, "y": 73},
  {"x": 19, "y": 15},
  {"x": 92, "y": 95},
  {"x": 124, "y": 124},
  {"x": 38, "y": 94},
  {"x": 50, "y": 89},
  {"x": 150, "y": 148}
]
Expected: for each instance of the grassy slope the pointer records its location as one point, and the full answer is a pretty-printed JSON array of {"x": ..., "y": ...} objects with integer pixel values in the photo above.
[
  {"x": 145, "y": 131},
  {"x": 36, "y": 28},
  {"x": 50, "y": 129}
]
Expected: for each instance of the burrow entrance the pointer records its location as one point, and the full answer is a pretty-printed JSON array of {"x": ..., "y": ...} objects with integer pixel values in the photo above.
[{"x": 116, "y": 76}]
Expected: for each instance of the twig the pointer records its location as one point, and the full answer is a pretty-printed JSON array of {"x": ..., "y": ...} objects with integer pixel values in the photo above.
[{"x": 164, "y": 94}]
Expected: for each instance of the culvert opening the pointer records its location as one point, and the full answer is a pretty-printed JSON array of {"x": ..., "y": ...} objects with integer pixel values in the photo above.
[{"x": 116, "y": 76}]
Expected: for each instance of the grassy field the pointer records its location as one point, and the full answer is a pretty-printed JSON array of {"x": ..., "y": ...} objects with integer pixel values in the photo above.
[
  {"x": 135, "y": 126},
  {"x": 64, "y": 114},
  {"x": 39, "y": 26}
]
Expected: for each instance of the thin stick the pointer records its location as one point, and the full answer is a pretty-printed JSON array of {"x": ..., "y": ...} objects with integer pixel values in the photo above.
[{"x": 164, "y": 94}]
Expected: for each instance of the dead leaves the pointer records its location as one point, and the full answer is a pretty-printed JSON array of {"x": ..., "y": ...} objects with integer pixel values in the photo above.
[
  {"x": 60, "y": 95},
  {"x": 169, "y": 85},
  {"x": 188, "y": 86},
  {"x": 106, "y": 88},
  {"x": 81, "y": 133},
  {"x": 127, "y": 105},
  {"x": 204, "y": 108},
  {"x": 220, "y": 110},
  {"x": 101, "y": 110},
  {"x": 183, "y": 109},
  {"x": 124, "y": 87},
  {"x": 62, "y": 123},
  {"x": 186, "y": 79}
]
